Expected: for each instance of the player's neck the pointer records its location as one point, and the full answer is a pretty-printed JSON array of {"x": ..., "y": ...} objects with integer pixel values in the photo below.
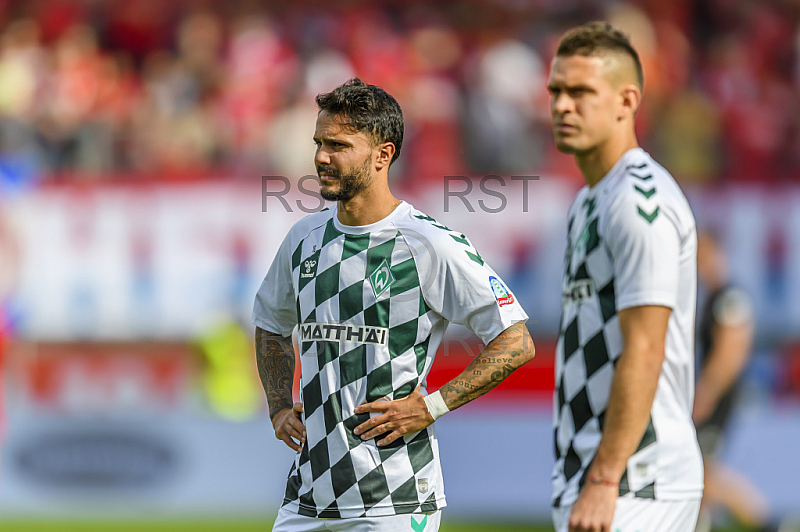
[
  {"x": 370, "y": 206},
  {"x": 596, "y": 163}
]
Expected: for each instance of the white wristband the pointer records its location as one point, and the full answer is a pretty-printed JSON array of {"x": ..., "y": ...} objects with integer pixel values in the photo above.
[{"x": 436, "y": 405}]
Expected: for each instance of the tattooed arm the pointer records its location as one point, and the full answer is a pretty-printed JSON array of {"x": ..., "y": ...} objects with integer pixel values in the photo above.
[
  {"x": 508, "y": 351},
  {"x": 275, "y": 361}
]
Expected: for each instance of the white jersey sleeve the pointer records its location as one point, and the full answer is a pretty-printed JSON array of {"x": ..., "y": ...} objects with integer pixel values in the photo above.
[
  {"x": 462, "y": 287},
  {"x": 275, "y": 307},
  {"x": 645, "y": 248}
]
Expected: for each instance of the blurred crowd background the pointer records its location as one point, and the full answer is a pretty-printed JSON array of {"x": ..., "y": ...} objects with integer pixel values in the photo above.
[
  {"x": 103, "y": 90},
  {"x": 135, "y": 226}
]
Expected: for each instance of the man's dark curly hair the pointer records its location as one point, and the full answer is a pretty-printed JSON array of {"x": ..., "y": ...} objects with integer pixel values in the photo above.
[
  {"x": 597, "y": 37},
  {"x": 368, "y": 109}
]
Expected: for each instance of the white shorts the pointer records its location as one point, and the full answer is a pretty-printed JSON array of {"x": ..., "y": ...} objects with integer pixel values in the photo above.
[
  {"x": 291, "y": 522},
  {"x": 643, "y": 515}
]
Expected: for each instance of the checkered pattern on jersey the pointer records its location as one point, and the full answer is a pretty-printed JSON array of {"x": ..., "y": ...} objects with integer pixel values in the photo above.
[
  {"x": 337, "y": 474},
  {"x": 589, "y": 343}
]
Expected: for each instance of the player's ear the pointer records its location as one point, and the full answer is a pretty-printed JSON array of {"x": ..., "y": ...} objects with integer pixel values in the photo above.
[
  {"x": 384, "y": 156},
  {"x": 630, "y": 98}
]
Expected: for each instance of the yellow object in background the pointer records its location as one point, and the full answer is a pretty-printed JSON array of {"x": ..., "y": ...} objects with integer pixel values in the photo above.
[{"x": 229, "y": 378}]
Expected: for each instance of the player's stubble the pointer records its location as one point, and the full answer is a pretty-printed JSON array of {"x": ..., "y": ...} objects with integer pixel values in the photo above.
[{"x": 352, "y": 182}]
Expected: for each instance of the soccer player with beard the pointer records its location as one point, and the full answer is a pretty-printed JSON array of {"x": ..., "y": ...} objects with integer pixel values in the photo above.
[
  {"x": 627, "y": 456},
  {"x": 371, "y": 285}
]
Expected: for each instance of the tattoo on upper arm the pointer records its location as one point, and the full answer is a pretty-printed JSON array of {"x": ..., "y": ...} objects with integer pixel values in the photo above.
[
  {"x": 497, "y": 361},
  {"x": 275, "y": 361}
]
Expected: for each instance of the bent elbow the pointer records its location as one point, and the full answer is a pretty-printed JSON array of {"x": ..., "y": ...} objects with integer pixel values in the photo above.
[{"x": 528, "y": 347}]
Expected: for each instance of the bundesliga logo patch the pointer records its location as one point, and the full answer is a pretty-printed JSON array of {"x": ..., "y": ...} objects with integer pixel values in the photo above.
[
  {"x": 331, "y": 332},
  {"x": 501, "y": 293}
]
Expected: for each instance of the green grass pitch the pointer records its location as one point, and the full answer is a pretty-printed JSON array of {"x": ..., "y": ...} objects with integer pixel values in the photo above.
[
  {"x": 213, "y": 525},
  {"x": 237, "y": 525}
]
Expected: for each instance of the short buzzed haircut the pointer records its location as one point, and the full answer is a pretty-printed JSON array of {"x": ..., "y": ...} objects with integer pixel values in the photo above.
[
  {"x": 595, "y": 38},
  {"x": 368, "y": 109}
]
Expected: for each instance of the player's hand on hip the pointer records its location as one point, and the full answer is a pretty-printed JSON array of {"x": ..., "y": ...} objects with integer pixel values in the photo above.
[
  {"x": 289, "y": 428},
  {"x": 594, "y": 509},
  {"x": 398, "y": 418}
]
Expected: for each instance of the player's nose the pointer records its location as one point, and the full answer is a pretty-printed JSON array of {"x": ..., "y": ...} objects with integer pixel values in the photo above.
[
  {"x": 322, "y": 157},
  {"x": 560, "y": 104}
]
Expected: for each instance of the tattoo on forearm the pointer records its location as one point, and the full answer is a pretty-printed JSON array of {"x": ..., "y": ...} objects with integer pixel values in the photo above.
[
  {"x": 492, "y": 360},
  {"x": 510, "y": 350},
  {"x": 275, "y": 361},
  {"x": 498, "y": 376},
  {"x": 467, "y": 385}
]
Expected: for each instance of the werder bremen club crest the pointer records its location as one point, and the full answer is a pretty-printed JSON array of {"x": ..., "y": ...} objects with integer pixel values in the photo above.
[{"x": 381, "y": 279}]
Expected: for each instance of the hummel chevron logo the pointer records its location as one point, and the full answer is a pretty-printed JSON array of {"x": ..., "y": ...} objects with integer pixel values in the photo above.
[
  {"x": 645, "y": 193},
  {"x": 649, "y": 217},
  {"x": 475, "y": 256},
  {"x": 418, "y": 527},
  {"x": 642, "y": 177},
  {"x": 433, "y": 222},
  {"x": 461, "y": 240}
]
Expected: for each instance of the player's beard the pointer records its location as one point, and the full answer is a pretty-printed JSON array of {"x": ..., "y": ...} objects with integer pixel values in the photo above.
[{"x": 354, "y": 181}]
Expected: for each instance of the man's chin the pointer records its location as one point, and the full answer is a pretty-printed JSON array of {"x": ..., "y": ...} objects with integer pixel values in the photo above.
[
  {"x": 334, "y": 194},
  {"x": 329, "y": 195},
  {"x": 566, "y": 147}
]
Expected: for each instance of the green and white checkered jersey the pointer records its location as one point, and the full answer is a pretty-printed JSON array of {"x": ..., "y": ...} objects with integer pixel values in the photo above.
[
  {"x": 631, "y": 242},
  {"x": 371, "y": 305}
]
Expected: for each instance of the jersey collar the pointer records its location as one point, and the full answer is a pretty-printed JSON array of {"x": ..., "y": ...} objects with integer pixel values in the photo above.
[
  {"x": 370, "y": 228},
  {"x": 617, "y": 170}
]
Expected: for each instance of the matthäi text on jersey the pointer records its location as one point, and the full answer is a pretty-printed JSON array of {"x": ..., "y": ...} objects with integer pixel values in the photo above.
[{"x": 332, "y": 332}]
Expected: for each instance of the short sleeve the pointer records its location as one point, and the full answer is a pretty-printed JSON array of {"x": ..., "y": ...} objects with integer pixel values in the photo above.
[
  {"x": 732, "y": 308},
  {"x": 275, "y": 307},
  {"x": 645, "y": 250},
  {"x": 464, "y": 289}
]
